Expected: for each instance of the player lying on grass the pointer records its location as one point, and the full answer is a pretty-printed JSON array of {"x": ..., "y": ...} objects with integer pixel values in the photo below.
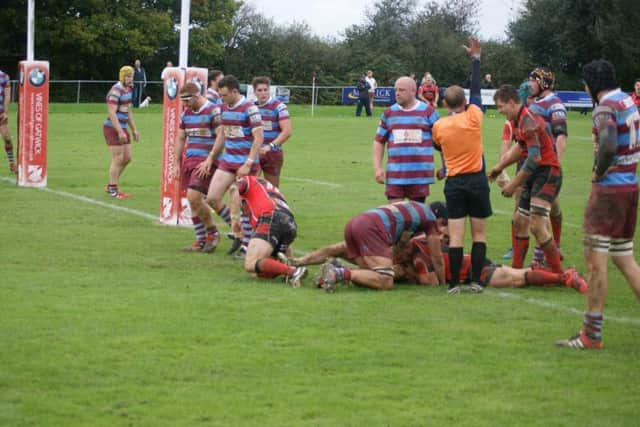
[
  {"x": 368, "y": 238},
  {"x": 412, "y": 262},
  {"x": 273, "y": 224}
]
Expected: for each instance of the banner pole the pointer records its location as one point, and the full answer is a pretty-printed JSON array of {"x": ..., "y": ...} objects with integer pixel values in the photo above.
[
  {"x": 30, "y": 29},
  {"x": 184, "y": 33}
]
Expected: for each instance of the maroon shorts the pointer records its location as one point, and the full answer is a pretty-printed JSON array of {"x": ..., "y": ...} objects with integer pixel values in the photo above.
[
  {"x": 111, "y": 136},
  {"x": 611, "y": 214},
  {"x": 416, "y": 192},
  {"x": 233, "y": 167},
  {"x": 366, "y": 237},
  {"x": 271, "y": 162},
  {"x": 189, "y": 178}
]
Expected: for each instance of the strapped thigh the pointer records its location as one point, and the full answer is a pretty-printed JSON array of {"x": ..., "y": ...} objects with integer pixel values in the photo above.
[
  {"x": 597, "y": 243},
  {"x": 385, "y": 271},
  {"x": 621, "y": 247},
  {"x": 538, "y": 210}
]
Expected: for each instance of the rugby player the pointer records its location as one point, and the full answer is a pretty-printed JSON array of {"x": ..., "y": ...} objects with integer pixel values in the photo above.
[
  {"x": 413, "y": 263},
  {"x": 212, "y": 90},
  {"x": 405, "y": 130},
  {"x": 240, "y": 136},
  {"x": 274, "y": 225},
  {"x": 115, "y": 129},
  {"x": 611, "y": 212},
  {"x": 368, "y": 239},
  {"x": 277, "y": 129},
  {"x": 548, "y": 105},
  {"x": 198, "y": 123}
]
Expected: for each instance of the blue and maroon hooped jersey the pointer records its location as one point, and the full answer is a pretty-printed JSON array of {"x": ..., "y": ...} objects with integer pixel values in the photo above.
[
  {"x": 121, "y": 97},
  {"x": 409, "y": 216},
  {"x": 272, "y": 112},
  {"x": 407, "y": 134},
  {"x": 4, "y": 83},
  {"x": 622, "y": 175},
  {"x": 213, "y": 96},
  {"x": 552, "y": 110},
  {"x": 237, "y": 123},
  {"x": 200, "y": 126}
]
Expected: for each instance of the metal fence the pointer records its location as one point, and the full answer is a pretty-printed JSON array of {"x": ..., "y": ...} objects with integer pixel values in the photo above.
[{"x": 92, "y": 91}]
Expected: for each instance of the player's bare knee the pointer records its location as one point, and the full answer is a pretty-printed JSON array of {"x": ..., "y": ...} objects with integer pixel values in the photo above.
[{"x": 250, "y": 264}]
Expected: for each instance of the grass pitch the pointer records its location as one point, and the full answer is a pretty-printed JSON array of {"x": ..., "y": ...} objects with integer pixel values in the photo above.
[{"x": 104, "y": 322}]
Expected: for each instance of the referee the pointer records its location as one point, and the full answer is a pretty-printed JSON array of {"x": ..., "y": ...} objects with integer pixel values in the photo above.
[{"x": 459, "y": 137}]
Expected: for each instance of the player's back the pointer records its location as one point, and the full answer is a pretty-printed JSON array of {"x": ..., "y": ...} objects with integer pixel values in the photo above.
[{"x": 622, "y": 175}]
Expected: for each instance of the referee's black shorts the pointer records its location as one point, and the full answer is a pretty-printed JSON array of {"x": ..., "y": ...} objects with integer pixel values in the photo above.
[{"x": 468, "y": 195}]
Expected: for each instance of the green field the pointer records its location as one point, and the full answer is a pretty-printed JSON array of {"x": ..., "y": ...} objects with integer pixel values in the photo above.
[{"x": 104, "y": 322}]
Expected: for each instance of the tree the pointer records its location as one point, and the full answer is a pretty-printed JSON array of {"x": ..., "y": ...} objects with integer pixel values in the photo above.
[
  {"x": 565, "y": 35},
  {"x": 93, "y": 38}
]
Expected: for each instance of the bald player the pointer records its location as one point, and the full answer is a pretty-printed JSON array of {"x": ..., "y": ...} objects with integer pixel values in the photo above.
[{"x": 405, "y": 129}]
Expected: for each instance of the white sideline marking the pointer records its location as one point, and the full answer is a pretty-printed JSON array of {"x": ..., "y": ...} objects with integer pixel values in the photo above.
[
  {"x": 89, "y": 200},
  {"x": 558, "y": 307},
  {"x": 312, "y": 181},
  {"x": 532, "y": 301}
]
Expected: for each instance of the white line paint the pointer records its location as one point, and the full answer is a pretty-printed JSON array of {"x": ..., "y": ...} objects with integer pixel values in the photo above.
[
  {"x": 499, "y": 294},
  {"x": 558, "y": 307},
  {"x": 312, "y": 181},
  {"x": 90, "y": 201}
]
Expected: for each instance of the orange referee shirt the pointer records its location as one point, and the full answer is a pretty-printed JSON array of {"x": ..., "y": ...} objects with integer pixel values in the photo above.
[{"x": 460, "y": 137}]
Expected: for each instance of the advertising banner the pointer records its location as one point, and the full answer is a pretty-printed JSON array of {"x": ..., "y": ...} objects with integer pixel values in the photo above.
[
  {"x": 170, "y": 204},
  {"x": 174, "y": 207},
  {"x": 33, "y": 110},
  {"x": 383, "y": 95}
]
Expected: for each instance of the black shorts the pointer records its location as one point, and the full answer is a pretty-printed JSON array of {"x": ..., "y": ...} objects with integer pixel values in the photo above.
[
  {"x": 468, "y": 195},
  {"x": 544, "y": 183},
  {"x": 279, "y": 229}
]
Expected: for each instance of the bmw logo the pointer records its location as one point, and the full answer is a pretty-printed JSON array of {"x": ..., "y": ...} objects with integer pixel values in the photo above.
[
  {"x": 37, "y": 77},
  {"x": 172, "y": 88}
]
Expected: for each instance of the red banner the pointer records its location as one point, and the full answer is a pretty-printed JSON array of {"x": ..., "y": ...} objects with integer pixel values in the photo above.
[
  {"x": 33, "y": 111},
  {"x": 170, "y": 179},
  {"x": 174, "y": 207}
]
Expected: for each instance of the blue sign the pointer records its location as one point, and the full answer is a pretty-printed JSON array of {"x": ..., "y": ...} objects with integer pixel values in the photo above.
[
  {"x": 575, "y": 99},
  {"x": 383, "y": 95}
]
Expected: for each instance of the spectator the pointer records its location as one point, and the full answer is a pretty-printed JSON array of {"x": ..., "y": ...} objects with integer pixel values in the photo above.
[
  {"x": 487, "y": 83},
  {"x": 139, "y": 82},
  {"x": 169, "y": 65},
  {"x": 363, "y": 96},
  {"x": 428, "y": 90},
  {"x": 373, "y": 85}
]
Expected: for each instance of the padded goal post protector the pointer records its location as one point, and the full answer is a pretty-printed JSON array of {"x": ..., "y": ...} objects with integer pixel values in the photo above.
[
  {"x": 174, "y": 207},
  {"x": 33, "y": 112}
]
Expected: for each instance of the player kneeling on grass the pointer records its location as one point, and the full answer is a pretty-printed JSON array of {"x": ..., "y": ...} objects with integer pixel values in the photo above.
[
  {"x": 274, "y": 225},
  {"x": 412, "y": 262},
  {"x": 368, "y": 238}
]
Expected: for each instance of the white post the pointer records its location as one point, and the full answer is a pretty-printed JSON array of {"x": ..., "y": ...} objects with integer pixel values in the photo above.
[
  {"x": 313, "y": 95},
  {"x": 30, "y": 28},
  {"x": 184, "y": 34}
]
